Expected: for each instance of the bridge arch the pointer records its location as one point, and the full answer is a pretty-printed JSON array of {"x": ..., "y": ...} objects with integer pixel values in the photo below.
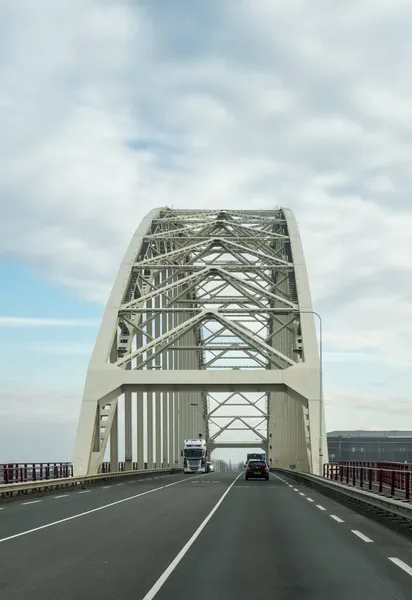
[{"x": 208, "y": 307}]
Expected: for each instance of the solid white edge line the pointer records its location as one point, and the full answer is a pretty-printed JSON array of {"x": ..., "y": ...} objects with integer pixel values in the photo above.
[
  {"x": 337, "y": 519},
  {"x": 402, "y": 565},
  {"x": 87, "y": 512},
  {"x": 31, "y": 502},
  {"x": 165, "y": 575},
  {"x": 320, "y": 507},
  {"x": 361, "y": 535}
]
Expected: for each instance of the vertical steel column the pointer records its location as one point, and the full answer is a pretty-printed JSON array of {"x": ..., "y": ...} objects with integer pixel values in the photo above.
[
  {"x": 149, "y": 395},
  {"x": 97, "y": 429},
  {"x": 128, "y": 433},
  {"x": 177, "y": 395},
  {"x": 192, "y": 396},
  {"x": 165, "y": 356},
  {"x": 171, "y": 396},
  {"x": 158, "y": 433},
  {"x": 186, "y": 397},
  {"x": 184, "y": 415},
  {"x": 114, "y": 431},
  {"x": 181, "y": 395},
  {"x": 165, "y": 398},
  {"x": 164, "y": 430},
  {"x": 198, "y": 398},
  {"x": 191, "y": 364},
  {"x": 139, "y": 414},
  {"x": 114, "y": 442}
]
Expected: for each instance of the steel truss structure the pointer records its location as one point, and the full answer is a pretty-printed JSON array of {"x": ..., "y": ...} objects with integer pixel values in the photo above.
[{"x": 208, "y": 330}]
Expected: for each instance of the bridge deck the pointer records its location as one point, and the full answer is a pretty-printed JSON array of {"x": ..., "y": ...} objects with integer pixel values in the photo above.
[{"x": 265, "y": 540}]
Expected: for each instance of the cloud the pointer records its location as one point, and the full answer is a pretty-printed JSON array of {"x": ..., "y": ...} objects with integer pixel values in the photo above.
[
  {"x": 45, "y": 322},
  {"x": 342, "y": 357},
  {"x": 351, "y": 410},
  {"x": 371, "y": 402},
  {"x": 19, "y": 402},
  {"x": 62, "y": 348},
  {"x": 37, "y": 424},
  {"x": 112, "y": 108}
]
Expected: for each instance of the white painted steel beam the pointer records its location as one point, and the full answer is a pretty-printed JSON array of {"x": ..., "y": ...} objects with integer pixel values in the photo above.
[{"x": 206, "y": 302}]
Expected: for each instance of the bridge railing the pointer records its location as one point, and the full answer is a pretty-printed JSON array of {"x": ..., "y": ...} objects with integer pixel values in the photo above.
[
  {"x": 24, "y": 472},
  {"x": 394, "y": 479},
  {"x": 27, "y": 472},
  {"x": 105, "y": 466}
]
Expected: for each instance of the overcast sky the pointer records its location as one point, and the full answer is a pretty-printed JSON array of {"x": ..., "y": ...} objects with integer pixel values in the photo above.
[{"x": 110, "y": 108}]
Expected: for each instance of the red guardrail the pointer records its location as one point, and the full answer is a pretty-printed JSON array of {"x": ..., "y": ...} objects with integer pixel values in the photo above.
[
  {"x": 393, "y": 478},
  {"x": 105, "y": 467},
  {"x": 21, "y": 472}
]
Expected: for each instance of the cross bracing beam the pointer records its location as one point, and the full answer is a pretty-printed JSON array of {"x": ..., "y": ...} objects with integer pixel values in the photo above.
[
  {"x": 227, "y": 445},
  {"x": 235, "y": 416},
  {"x": 205, "y": 302}
]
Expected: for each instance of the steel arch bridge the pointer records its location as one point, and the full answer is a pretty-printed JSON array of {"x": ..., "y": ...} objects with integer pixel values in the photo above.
[{"x": 209, "y": 330}]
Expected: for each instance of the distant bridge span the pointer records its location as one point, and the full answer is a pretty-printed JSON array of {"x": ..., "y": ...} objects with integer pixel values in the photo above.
[{"x": 209, "y": 330}]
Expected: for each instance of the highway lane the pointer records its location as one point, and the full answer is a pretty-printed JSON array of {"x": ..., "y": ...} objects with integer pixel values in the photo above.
[
  {"x": 118, "y": 551},
  {"x": 264, "y": 540},
  {"x": 33, "y": 511},
  {"x": 267, "y": 541},
  {"x": 387, "y": 540}
]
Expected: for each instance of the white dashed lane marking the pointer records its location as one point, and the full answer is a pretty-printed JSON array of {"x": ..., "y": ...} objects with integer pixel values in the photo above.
[
  {"x": 361, "y": 535},
  {"x": 62, "y": 496},
  {"x": 320, "y": 507},
  {"x": 31, "y": 502},
  {"x": 402, "y": 565},
  {"x": 205, "y": 481},
  {"x": 396, "y": 561}
]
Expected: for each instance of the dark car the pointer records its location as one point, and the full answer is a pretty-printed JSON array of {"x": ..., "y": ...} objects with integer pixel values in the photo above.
[{"x": 257, "y": 469}]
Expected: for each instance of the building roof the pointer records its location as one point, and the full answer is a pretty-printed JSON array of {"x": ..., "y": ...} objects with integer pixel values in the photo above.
[{"x": 359, "y": 433}]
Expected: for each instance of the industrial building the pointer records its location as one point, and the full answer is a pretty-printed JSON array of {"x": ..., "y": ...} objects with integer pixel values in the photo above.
[{"x": 370, "y": 445}]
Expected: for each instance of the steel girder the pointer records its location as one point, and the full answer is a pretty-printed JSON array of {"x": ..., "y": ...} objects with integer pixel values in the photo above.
[{"x": 207, "y": 308}]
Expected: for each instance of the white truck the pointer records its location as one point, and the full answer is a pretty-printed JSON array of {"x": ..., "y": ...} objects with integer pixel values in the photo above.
[{"x": 195, "y": 456}]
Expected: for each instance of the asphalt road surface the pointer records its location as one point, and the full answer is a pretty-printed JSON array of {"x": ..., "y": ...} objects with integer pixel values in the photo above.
[{"x": 211, "y": 536}]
